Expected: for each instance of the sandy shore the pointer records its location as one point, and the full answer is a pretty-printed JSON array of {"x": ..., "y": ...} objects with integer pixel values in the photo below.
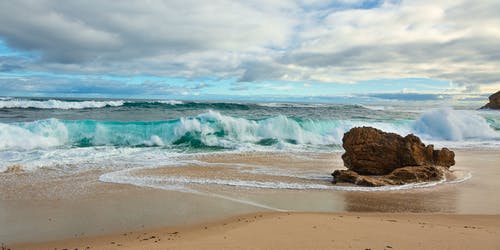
[
  {"x": 307, "y": 231},
  {"x": 79, "y": 211}
]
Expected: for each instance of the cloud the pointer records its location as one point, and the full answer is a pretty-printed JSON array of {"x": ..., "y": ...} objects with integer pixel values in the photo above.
[
  {"x": 200, "y": 85},
  {"x": 343, "y": 41},
  {"x": 76, "y": 86},
  {"x": 239, "y": 88},
  {"x": 432, "y": 39},
  {"x": 5, "y": 67},
  {"x": 471, "y": 89},
  {"x": 174, "y": 38}
]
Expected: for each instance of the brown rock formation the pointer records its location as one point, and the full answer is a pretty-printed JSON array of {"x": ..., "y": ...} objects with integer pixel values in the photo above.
[
  {"x": 399, "y": 176},
  {"x": 415, "y": 174},
  {"x": 494, "y": 102},
  {"x": 345, "y": 176},
  {"x": 370, "y": 151},
  {"x": 390, "y": 159},
  {"x": 350, "y": 176},
  {"x": 443, "y": 157}
]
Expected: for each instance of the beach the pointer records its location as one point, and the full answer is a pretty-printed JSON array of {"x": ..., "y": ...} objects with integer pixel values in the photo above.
[
  {"x": 229, "y": 124},
  {"x": 307, "y": 231},
  {"x": 73, "y": 212},
  {"x": 90, "y": 171}
]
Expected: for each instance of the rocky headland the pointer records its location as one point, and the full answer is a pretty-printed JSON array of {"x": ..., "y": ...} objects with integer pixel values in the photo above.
[
  {"x": 376, "y": 158},
  {"x": 494, "y": 102}
]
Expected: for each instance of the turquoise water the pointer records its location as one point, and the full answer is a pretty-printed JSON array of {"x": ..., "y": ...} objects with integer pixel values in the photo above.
[{"x": 36, "y": 128}]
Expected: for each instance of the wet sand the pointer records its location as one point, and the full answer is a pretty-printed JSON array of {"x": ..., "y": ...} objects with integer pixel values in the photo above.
[
  {"x": 49, "y": 205},
  {"x": 307, "y": 231}
]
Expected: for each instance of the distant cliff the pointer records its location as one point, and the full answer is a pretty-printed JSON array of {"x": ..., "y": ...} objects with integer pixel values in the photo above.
[{"x": 494, "y": 102}]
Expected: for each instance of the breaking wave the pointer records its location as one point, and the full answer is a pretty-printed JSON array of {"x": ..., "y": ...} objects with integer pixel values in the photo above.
[
  {"x": 57, "y": 104},
  {"x": 452, "y": 125},
  {"x": 9, "y": 103},
  {"x": 19, "y": 103},
  {"x": 215, "y": 130}
]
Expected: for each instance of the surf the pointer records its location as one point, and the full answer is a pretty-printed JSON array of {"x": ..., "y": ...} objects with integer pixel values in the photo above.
[
  {"x": 212, "y": 130},
  {"x": 56, "y": 104}
]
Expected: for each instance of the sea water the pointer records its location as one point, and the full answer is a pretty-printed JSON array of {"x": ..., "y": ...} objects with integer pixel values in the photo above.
[{"x": 121, "y": 137}]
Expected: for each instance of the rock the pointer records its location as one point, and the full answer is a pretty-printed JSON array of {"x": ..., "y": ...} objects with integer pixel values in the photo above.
[
  {"x": 370, "y": 151},
  {"x": 368, "y": 181},
  {"x": 344, "y": 176},
  {"x": 349, "y": 176},
  {"x": 444, "y": 157},
  {"x": 415, "y": 174},
  {"x": 494, "y": 102},
  {"x": 376, "y": 158}
]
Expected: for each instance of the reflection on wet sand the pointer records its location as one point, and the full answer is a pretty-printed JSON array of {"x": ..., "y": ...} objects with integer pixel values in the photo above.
[
  {"x": 477, "y": 195},
  {"x": 421, "y": 201}
]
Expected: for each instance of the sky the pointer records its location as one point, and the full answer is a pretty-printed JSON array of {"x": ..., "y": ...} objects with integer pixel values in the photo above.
[{"x": 183, "y": 49}]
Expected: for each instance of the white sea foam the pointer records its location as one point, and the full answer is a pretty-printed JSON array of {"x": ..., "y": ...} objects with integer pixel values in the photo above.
[
  {"x": 377, "y": 107},
  {"x": 183, "y": 182},
  {"x": 38, "y": 134},
  {"x": 57, "y": 104},
  {"x": 88, "y": 158},
  {"x": 171, "y": 102},
  {"x": 239, "y": 131},
  {"x": 289, "y": 105},
  {"x": 155, "y": 141},
  {"x": 443, "y": 127},
  {"x": 440, "y": 126},
  {"x": 452, "y": 125}
]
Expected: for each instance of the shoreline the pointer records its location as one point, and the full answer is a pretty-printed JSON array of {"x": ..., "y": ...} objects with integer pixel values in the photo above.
[
  {"x": 299, "y": 230},
  {"x": 64, "y": 207}
]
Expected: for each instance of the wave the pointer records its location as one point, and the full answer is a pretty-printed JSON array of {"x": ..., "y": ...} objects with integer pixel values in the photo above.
[
  {"x": 452, "y": 125},
  {"x": 13, "y": 103},
  {"x": 377, "y": 107},
  {"x": 213, "y": 130},
  {"x": 291, "y": 105},
  {"x": 189, "y": 185},
  {"x": 38, "y": 134},
  {"x": 183, "y": 183},
  {"x": 9, "y": 103},
  {"x": 171, "y": 102},
  {"x": 57, "y": 104}
]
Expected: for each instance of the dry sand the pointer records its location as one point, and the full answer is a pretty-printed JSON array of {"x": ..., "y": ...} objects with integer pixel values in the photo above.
[{"x": 308, "y": 231}]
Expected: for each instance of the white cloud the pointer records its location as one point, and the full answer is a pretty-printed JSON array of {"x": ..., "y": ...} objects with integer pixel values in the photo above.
[
  {"x": 341, "y": 41},
  {"x": 454, "y": 40}
]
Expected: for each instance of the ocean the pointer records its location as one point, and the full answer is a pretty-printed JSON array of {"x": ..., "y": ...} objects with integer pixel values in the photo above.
[{"x": 118, "y": 136}]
